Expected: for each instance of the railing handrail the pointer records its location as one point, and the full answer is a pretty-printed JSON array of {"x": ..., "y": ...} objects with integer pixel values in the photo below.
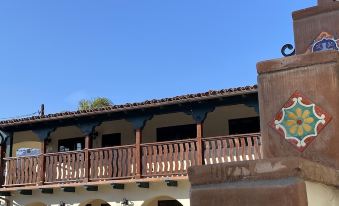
[
  {"x": 22, "y": 157},
  {"x": 168, "y": 142},
  {"x": 62, "y": 153},
  {"x": 115, "y": 147},
  {"x": 144, "y": 144},
  {"x": 232, "y": 136}
]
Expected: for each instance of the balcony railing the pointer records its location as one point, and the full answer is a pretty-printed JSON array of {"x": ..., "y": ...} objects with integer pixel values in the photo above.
[
  {"x": 64, "y": 167},
  {"x": 112, "y": 163},
  {"x": 160, "y": 159},
  {"x": 168, "y": 158}
]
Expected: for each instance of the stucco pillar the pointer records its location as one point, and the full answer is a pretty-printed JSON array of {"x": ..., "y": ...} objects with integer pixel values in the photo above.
[
  {"x": 314, "y": 77},
  {"x": 299, "y": 110},
  {"x": 309, "y": 23}
]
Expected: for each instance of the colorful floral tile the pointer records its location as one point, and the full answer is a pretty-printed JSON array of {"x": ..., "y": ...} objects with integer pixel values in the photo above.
[
  {"x": 324, "y": 42},
  {"x": 300, "y": 120}
]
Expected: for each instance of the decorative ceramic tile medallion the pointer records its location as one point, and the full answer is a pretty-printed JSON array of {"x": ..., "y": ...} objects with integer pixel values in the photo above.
[
  {"x": 324, "y": 42},
  {"x": 299, "y": 121}
]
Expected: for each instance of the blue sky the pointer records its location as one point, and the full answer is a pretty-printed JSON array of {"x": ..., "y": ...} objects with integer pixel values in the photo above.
[{"x": 59, "y": 51}]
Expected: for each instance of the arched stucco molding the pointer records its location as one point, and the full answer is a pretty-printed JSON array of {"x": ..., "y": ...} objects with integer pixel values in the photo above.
[
  {"x": 94, "y": 202},
  {"x": 153, "y": 201},
  {"x": 36, "y": 204}
]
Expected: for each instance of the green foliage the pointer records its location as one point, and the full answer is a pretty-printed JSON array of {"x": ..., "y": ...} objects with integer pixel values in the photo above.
[
  {"x": 95, "y": 103},
  {"x": 84, "y": 104}
]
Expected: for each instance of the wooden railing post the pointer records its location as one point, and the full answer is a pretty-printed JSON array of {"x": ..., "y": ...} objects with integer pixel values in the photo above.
[
  {"x": 199, "y": 143},
  {"x": 199, "y": 114},
  {"x": 43, "y": 134},
  {"x": 87, "y": 158},
  {"x": 138, "y": 123},
  {"x": 138, "y": 139},
  {"x": 42, "y": 163}
]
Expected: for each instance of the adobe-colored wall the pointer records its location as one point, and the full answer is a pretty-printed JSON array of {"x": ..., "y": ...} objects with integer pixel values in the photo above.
[
  {"x": 285, "y": 181},
  {"x": 315, "y": 75},
  {"x": 284, "y": 192},
  {"x": 310, "y": 22}
]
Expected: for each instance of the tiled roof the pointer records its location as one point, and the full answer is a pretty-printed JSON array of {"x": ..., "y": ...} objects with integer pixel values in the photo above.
[{"x": 132, "y": 106}]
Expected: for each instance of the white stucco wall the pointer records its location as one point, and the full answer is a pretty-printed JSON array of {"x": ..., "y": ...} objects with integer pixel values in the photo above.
[
  {"x": 81, "y": 197},
  {"x": 321, "y": 195}
]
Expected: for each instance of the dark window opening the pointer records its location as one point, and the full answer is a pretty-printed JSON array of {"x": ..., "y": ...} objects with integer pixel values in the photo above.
[
  {"x": 71, "y": 144},
  {"x": 111, "y": 140},
  {"x": 179, "y": 132},
  {"x": 244, "y": 125},
  {"x": 169, "y": 203}
]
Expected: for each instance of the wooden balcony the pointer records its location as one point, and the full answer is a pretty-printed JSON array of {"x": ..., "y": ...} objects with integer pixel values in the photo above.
[{"x": 161, "y": 159}]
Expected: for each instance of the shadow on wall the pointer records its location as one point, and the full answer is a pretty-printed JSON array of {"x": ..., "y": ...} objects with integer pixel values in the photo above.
[
  {"x": 95, "y": 202},
  {"x": 162, "y": 199}
]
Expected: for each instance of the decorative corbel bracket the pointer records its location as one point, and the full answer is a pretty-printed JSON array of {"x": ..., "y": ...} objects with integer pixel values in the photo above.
[
  {"x": 4, "y": 136},
  {"x": 139, "y": 122},
  {"x": 44, "y": 133},
  {"x": 254, "y": 104},
  {"x": 199, "y": 113},
  {"x": 88, "y": 127}
]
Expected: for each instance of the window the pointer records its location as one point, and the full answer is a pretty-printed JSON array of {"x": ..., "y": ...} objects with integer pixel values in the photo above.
[
  {"x": 111, "y": 140},
  {"x": 176, "y": 132},
  {"x": 72, "y": 144},
  {"x": 244, "y": 125},
  {"x": 169, "y": 203}
]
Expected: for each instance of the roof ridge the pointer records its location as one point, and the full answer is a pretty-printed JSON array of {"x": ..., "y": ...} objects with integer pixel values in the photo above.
[{"x": 135, "y": 105}]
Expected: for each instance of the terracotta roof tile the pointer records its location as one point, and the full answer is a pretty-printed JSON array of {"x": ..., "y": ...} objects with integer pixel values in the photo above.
[{"x": 133, "y": 106}]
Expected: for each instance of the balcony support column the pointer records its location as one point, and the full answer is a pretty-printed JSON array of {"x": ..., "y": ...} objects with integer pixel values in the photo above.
[
  {"x": 43, "y": 135},
  {"x": 42, "y": 162},
  {"x": 138, "y": 123},
  {"x": 88, "y": 129},
  {"x": 88, "y": 145},
  {"x": 138, "y": 140},
  {"x": 199, "y": 114}
]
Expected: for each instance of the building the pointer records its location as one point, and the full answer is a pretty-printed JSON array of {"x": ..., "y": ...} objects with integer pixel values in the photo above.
[
  {"x": 133, "y": 154},
  {"x": 299, "y": 110},
  {"x": 141, "y": 154}
]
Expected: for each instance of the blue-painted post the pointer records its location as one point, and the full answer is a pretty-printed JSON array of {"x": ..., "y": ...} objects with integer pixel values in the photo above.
[
  {"x": 2, "y": 163},
  {"x": 4, "y": 136}
]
